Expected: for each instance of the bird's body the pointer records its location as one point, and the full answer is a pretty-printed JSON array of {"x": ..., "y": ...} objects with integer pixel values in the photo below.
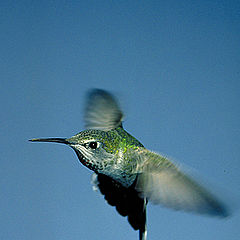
[
  {"x": 114, "y": 156},
  {"x": 129, "y": 175}
]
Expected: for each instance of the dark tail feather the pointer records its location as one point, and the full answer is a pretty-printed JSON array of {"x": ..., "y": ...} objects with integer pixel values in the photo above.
[{"x": 127, "y": 202}]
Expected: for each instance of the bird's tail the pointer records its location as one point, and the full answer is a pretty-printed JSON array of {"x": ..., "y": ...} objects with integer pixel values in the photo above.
[{"x": 143, "y": 229}]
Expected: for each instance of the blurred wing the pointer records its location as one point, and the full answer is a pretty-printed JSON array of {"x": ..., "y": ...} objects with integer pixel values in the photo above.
[
  {"x": 161, "y": 182},
  {"x": 102, "y": 111}
]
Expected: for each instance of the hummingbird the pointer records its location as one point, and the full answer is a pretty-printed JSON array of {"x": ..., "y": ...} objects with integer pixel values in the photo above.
[{"x": 128, "y": 174}]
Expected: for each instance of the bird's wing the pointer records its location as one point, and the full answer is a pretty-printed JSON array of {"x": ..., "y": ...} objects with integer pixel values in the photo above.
[
  {"x": 161, "y": 182},
  {"x": 102, "y": 111}
]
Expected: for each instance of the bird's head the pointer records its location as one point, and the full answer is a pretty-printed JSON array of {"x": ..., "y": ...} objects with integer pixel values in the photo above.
[{"x": 95, "y": 149}]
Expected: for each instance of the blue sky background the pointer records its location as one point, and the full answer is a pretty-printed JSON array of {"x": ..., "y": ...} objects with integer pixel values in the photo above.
[{"x": 174, "y": 66}]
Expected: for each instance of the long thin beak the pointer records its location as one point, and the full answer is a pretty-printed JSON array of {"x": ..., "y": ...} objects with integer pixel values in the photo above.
[{"x": 56, "y": 140}]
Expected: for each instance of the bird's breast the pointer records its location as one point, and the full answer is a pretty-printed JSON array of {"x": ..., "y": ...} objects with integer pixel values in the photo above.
[{"x": 120, "y": 170}]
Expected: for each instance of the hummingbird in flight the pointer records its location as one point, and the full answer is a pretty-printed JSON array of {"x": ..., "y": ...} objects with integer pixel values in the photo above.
[{"x": 128, "y": 174}]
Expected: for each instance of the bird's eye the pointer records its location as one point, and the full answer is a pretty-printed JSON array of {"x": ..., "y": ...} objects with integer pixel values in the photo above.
[{"x": 93, "y": 145}]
